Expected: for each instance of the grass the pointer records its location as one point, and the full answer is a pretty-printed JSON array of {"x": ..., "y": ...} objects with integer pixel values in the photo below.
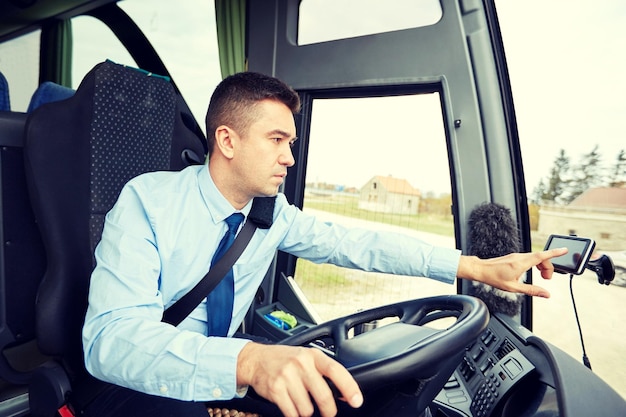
[
  {"x": 347, "y": 205},
  {"x": 319, "y": 277},
  {"x": 337, "y": 291}
]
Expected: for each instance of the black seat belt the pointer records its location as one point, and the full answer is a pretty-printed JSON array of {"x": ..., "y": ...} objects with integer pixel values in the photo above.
[
  {"x": 178, "y": 311},
  {"x": 261, "y": 215}
]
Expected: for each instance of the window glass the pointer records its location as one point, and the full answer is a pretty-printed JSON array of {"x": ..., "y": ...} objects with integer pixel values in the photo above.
[
  {"x": 19, "y": 63},
  {"x": 349, "y": 18},
  {"x": 379, "y": 163},
  {"x": 190, "y": 55},
  {"x": 94, "y": 42},
  {"x": 549, "y": 66}
]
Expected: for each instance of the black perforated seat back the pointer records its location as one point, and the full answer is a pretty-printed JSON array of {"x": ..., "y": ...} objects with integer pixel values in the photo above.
[{"x": 78, "y": 154}]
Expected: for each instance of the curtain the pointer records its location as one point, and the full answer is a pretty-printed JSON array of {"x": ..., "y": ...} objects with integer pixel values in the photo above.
[
  {"x": 230, "y": 16},
  {"x": 56, "y": 53}
]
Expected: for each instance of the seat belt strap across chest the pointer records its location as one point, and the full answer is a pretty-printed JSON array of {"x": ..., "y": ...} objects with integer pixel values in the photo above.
[{"x": 178, "y": 311}]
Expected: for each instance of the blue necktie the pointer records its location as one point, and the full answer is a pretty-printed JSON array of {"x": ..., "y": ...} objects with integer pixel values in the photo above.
[{"x": 220, "y": 300}]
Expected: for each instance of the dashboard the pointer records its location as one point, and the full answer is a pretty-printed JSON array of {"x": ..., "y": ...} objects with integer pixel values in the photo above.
[{"x": 509, "y": 372}]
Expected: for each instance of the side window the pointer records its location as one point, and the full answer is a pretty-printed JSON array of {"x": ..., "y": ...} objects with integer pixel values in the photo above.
[
  {"x": 191, "y": 56},
  {"x": 378, "y": 163},
  {"x": 19, "y": 63},
  {"x": 94, "y": 42}
]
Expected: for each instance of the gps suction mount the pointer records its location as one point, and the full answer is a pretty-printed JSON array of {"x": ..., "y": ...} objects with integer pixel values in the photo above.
[{"x": 604, "y": 268}]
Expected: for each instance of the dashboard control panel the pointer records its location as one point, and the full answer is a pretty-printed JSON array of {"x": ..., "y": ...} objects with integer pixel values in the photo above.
[{"x": 491, "y": 367}]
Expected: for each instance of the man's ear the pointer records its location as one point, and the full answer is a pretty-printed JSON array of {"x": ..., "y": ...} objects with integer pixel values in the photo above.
[{"x": 224, "y": 138}]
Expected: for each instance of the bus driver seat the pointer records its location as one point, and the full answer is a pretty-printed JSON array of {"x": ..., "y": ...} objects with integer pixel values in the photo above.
[{"x": 121, "y": 122}]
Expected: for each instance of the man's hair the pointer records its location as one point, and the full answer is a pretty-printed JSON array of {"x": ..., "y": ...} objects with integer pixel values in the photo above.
[{"x": 235, "y": 99}]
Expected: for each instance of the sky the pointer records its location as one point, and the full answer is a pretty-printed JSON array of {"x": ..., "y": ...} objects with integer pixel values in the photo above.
[{"x": 567, "y": 67}]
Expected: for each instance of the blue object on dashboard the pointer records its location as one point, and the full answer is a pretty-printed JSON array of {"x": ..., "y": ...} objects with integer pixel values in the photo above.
[{"x": 277, "y": 322}]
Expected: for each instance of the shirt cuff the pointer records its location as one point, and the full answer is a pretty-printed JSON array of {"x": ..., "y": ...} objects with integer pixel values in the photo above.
[
  {"x": 218, "y": 373},
  {"x": 444, "y": 264}
]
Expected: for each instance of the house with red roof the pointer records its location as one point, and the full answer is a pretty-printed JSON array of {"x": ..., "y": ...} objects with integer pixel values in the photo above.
[{"x": 389, "y": 195}]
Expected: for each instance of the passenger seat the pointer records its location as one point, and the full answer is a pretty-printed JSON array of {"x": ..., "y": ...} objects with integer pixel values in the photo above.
[{"x": 48, "y": 92}]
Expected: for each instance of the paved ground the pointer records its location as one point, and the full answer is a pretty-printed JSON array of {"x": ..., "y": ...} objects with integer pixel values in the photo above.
[
  {"x": 602, "y": 314},
  {"x": 601, "y": 309}
]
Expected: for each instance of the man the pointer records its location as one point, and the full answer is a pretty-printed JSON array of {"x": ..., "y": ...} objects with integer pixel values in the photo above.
[{"x": 159, "y": 240}]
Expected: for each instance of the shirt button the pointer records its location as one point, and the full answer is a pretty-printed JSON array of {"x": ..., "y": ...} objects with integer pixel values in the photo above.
[
  {"x": 217, "y": 393},
  {"x": 163, "y": 389}
]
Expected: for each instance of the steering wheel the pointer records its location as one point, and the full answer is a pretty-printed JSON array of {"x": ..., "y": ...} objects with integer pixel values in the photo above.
[{"x": 405, "y": 349}]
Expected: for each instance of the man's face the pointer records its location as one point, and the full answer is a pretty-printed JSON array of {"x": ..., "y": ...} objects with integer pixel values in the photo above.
[{"x": 264, "y": 152}]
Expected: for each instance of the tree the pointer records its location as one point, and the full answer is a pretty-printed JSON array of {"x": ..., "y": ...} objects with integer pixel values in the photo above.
[
  {"x": 617, "y": 177},
  {"x": 565, "y": 183},
  {"x": 538, "y": 193},
  {"x": 588, "y": 174},
  {"x": 558, "y": 181}
]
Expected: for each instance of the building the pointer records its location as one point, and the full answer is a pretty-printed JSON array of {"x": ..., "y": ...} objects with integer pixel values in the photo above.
[
  {"x": 598, "y": 213},
  {"x": 389, "y": 195}
]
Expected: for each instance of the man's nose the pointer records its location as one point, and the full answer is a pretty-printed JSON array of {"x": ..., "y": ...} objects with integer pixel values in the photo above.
[{"x": 286, "y": 158}]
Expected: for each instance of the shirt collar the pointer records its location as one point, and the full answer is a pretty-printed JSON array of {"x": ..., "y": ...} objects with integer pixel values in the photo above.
[{"x": 218, "y": 206}]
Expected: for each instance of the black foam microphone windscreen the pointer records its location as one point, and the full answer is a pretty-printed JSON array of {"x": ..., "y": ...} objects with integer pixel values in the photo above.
[{"x": 492, "y": 232}]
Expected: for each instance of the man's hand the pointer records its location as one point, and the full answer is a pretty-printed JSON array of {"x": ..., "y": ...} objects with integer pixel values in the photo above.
[
  {"x": 291, "y": 376},
  {"x": 503, "y": 272}
]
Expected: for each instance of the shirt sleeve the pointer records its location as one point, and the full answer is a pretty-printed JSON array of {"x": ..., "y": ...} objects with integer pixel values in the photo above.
[
  {"x": 124, "y": 340},
  {"x": 368, "y": 250}
]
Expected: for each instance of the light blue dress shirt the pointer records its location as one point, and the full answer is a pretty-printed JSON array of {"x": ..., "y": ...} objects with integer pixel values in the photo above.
[{"x": 158, "y": 242}]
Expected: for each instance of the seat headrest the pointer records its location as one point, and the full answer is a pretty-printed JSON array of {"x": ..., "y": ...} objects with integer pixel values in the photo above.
[{"x": 48, "y": 92}]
